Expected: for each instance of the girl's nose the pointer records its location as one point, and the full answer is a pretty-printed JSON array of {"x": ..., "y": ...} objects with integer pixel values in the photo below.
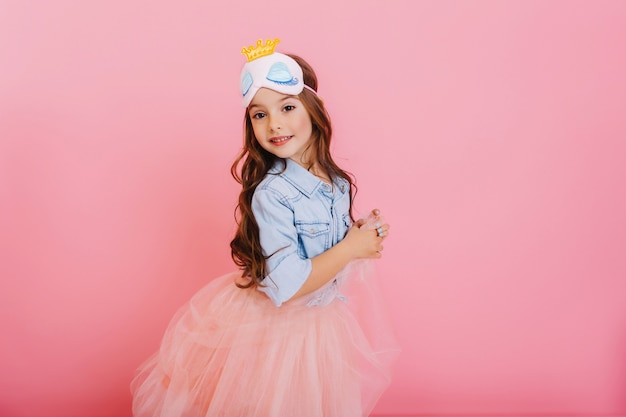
[{"x": 274, "y": 124}]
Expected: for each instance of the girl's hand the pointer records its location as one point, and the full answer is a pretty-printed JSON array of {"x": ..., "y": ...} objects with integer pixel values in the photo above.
[
  {"x": 365, "y": 237},
  {"x": 375, "y": 221}
]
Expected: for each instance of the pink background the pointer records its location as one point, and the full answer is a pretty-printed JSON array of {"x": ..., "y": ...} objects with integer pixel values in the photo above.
[{"x": 490, "y": 133}]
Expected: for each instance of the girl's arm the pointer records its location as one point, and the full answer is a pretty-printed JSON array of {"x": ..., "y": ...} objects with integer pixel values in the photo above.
[
  {"x": 287, "y": 272},
  {"x": 358, "y": 243}
]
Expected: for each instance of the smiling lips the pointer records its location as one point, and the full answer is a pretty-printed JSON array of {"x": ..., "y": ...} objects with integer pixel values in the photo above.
[{"x": 280, "y": 140}]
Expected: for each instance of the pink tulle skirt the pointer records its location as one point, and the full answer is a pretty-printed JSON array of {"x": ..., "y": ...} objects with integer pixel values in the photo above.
[{"x": 231, "y": 352}]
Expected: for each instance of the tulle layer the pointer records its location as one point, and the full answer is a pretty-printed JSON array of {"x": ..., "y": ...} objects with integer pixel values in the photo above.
[{"x": 232, "y": 352}]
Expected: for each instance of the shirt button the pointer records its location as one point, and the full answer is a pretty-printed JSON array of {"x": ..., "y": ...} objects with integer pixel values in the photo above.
[{"x": 313, "y": 231}]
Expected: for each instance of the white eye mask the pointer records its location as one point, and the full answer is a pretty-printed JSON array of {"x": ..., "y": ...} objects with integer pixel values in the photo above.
[{"x": 276, "y": 71}]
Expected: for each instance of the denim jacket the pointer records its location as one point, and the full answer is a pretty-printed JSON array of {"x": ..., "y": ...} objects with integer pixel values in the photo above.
[{"x": 299, "y": 217}]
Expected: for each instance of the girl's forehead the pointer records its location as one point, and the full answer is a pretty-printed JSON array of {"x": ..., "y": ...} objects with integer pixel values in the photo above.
[{"x": 268, "y": 97}]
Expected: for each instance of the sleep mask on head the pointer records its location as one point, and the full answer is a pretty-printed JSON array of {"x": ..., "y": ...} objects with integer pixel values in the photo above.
[{"x": 269, "y": 69}]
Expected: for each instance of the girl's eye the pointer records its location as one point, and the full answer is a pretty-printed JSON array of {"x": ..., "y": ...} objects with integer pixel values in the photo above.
[
  {"x": 258, "y": 115},
  {"x": 289, "y": 107}
]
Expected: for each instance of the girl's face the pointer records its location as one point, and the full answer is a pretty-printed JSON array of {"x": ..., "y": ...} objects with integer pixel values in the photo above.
[{"x": 281, "y": 124}]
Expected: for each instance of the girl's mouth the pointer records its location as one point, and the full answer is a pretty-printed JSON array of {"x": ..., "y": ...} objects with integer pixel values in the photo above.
[{"x": 279, "y": 140}]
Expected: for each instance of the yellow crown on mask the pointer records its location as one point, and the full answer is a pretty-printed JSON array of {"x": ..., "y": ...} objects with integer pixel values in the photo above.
[{"x": 253, "y": 52}]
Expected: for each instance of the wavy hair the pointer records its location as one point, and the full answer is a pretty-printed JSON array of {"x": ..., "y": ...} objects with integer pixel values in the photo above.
[{"x": 252, "y": 165}]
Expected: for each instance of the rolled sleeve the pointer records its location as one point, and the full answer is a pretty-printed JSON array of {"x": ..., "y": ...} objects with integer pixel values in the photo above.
[{"x": 287, "y": 271}]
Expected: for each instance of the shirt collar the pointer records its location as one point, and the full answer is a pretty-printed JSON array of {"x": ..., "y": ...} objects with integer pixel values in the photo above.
[{"x": 301, "y": 178}]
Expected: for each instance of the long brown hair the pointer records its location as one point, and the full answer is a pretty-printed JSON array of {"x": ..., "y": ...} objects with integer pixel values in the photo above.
[{"x": 255, "y": 162}]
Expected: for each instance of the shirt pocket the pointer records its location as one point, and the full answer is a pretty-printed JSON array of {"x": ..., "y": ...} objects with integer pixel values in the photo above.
[{"x": 313, "y": 238}]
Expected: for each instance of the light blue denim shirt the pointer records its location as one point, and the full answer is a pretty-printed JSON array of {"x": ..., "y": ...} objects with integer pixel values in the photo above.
[{"x": 299, "y": 217}]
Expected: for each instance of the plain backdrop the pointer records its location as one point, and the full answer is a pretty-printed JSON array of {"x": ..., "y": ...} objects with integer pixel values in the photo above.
[{"x": 491, "y": 134}]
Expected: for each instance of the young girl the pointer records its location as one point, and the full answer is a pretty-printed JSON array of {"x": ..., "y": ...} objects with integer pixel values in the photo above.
[{"x": 298, "y": 332}]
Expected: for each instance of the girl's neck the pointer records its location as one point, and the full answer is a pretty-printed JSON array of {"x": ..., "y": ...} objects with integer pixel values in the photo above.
[
  {"x": 316, "y": 170},
  {"x": 320, "y": 173}
]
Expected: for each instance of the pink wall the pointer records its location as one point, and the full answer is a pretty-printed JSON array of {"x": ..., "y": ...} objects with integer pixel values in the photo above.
[{"x": 490, "y": 133}]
